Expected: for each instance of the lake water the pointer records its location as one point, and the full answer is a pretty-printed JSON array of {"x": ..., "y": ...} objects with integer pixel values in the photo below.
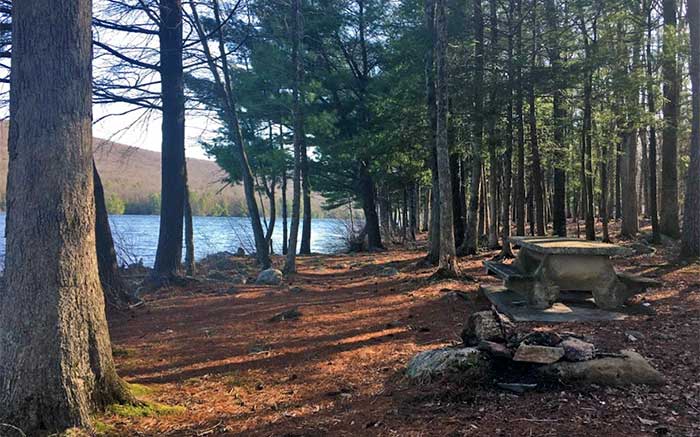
[{"x": 136, "y": 236}]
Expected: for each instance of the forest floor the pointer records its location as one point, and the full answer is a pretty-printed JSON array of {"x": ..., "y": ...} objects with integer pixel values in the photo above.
[{"x": 338, "y": 368}]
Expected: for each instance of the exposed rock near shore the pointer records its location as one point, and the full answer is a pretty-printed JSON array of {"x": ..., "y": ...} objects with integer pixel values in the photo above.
[{"x": 269, "y": 277}]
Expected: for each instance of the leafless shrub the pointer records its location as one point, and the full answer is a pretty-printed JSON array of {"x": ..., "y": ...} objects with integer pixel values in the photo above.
[
  {"x": 125, "y": 247},
  {"x": 243, "y": 235},
  {"x": 351, "y": 233}
]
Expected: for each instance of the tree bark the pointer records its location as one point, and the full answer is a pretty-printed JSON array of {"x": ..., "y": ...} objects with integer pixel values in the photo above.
[
  {"x": 669, "y": 224},
  {"x": 630, "y": 208},
  {"x": 224, "y": 88},
  {"x": 414, "y": 194},
  {"x": 604, "y": 192},
  {"x": 369, "y": 207},
  {"x": 643, "y": 197},
  {"x": 492, "y": 134},
  {"x": 651, "y": 102},
  {"x": 115, "y": 289},
  {"x": 470, "y": 241},
  {"x": 299, "y": 137},
  {"x": 305, "y": 245},
  {"x": 448, "y": 260},
  {"x": 630, "y": 224},
  {"x": 189, "y": 231},
  {"x": 558, "y": 114},
  {"x": 457, "y": 201},
  {"x": 169, "y": 252},
  {"x": 56, "y": 367},
  {"x": 586, "y": 155},
  {"x": 434, "y": 228},
  {"x": 270, "y": 191},
  {"x": 690, "y": 239},
  {"x": 536, "y": 168},
  {"x": 508, "y": 155},
  {"x": 519, "y": 185},
  {"x": 285, "y": 237},
  {"x": 426, "y": 211}
]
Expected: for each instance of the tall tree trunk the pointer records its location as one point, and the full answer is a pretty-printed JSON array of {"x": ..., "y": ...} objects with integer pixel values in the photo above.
[
  {"x": 272, "y": 201},
  {"x": 690, "y": 239},
  {"x": 172, "y": 205},
  {"x": 56, "y": 367},
  {"x": 618, "y": 180},
  {"x": 604, "y": 191},
  {"x": 651, "y": 102},
  {"x": 630, "y": 224},
  {"x": 536, "y": 168},
  {"x": 189, "y": 231},
  {"x": 434, "y": 228},
  {"x": 508, "y": 155},
  {"x": 669, "y": 224},
  {"x": 457, "y": 201},
  {"x": 223, "y": 82},
  {"x": 113, "y": 285},
  {"x": 493, "y": 113},
  {"x": 413, "y": 211},
  {"x": 519, "y": 184},
  {"x": 470, "y": 241},
  {"x": 558, "y": 114},
  {"x": 384, "y": 212},
  {"x": 630, "y": 209},
  {"x": 299, "y": 137},
  {"x": 305, "y": 245},
  {"x": 426, "y": 211},
  {"x": 448, "y": 260},
  {"x": 285, "y": 237},
  {"x": 643, "y": 199},
  {"x": 369, "y": 207},
  {"x": 587, "y": 164}
]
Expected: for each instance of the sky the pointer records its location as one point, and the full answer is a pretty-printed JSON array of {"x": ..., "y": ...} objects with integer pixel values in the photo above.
[{"x": 143, "y": 130}]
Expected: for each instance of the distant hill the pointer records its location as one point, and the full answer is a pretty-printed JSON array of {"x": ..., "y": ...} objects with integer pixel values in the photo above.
[{"x": 131, "y": 177}]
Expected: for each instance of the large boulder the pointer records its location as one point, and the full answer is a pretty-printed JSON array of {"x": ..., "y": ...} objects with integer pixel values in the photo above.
[
  {"x": 627, "y": 369},
  {"x": 463, "y": 363},
  {"x": 483, "y": 326},
  {"x": 269, "y": 277}
]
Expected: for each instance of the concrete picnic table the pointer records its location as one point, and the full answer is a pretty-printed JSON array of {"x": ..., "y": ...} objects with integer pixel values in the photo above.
[{"x": 547, "y": 265}]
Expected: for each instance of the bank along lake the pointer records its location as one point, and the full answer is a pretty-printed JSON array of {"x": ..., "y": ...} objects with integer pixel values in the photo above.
[{"x": 136, "y": 236}]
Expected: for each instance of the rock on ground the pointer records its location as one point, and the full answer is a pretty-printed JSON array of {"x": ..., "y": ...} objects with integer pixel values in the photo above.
[
  {"x": 216, "y": 275},
  {"x": 238, "y": 279},
  {"x": 269, "y": 277},
  {"x": 630, "y": 368},
  {"x": 530, "y": 353},
  {"x": 290, "y": 314},
  {"x": 497, "y": 350},
  {"x": 577, "y": 350},
  {"x": 483, "y": 325},
  {"x": 465, "y": 363},
  {"x": 388, "y": 272},
  {"x": 220, "y": 261}
]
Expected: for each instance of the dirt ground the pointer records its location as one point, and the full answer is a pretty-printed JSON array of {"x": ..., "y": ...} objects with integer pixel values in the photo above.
[{"x": 338, "y": 369}]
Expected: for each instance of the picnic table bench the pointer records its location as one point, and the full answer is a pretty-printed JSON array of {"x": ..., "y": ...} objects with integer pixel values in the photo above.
[{"x": 547, "y": 265}]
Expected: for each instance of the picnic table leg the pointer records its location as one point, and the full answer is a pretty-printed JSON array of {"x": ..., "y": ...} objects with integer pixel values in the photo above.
[
  {"x": 610, "y": 295},
  {"x": 587, "y": 273},
  {"x": 541, "y": 291},
  {"x": 544, "y": 293}
]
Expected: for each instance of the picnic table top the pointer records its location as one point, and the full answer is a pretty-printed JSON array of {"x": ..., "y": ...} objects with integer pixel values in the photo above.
[{"x": 568, "y": 246}]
